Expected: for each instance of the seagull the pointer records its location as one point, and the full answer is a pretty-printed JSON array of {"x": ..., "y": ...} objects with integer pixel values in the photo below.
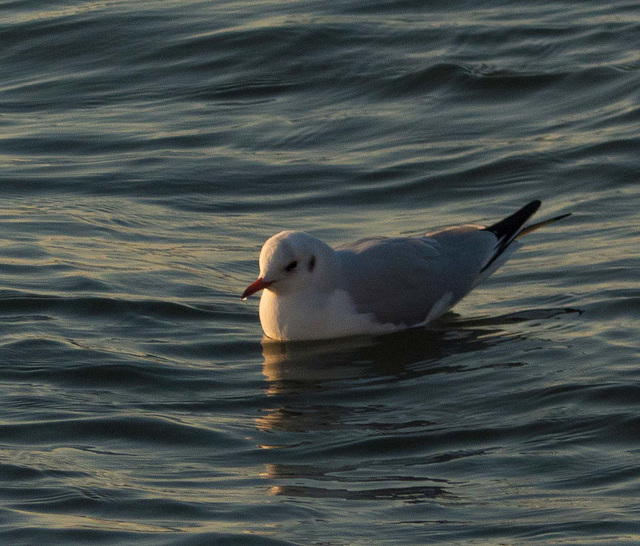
[{"x": 377, "y": 285}]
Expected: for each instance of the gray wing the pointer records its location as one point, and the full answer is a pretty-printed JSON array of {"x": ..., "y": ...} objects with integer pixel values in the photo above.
[{"x": 400, "y": 280}]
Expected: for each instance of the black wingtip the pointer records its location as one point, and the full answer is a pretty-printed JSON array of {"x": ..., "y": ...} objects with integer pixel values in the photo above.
[{"x": 508, "y": 228}]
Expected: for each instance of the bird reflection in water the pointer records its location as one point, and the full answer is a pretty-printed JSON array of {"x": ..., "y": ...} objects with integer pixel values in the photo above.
[
  {"x": 330, "y": 401},
  {"x": 302, "y": 366},
  {"x": 294, "y": 368}
]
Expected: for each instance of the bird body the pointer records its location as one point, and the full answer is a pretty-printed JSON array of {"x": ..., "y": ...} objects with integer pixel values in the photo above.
[{"x": 376, "y": 285}]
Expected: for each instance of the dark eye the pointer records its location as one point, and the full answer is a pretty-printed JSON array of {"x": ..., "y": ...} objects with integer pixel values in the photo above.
[{"x": 291, "y": 266}]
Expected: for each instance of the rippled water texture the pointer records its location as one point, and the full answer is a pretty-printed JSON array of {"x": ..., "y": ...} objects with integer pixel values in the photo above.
[{"x": 147, "y": 149}]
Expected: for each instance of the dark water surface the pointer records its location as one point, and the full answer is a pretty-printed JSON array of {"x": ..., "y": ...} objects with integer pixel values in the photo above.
[{"x": 147, "y": 149}]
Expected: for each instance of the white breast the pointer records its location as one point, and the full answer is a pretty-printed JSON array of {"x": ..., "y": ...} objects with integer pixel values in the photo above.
[{"x": 313, "y": 315}]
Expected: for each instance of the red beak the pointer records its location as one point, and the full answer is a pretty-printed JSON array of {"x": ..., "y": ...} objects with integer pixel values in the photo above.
[{"x": 256, "y": 285}]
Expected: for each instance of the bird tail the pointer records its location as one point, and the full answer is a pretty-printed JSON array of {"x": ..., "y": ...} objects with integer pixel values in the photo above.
[
  {"x": 532, "y": 227},
  {"x": 510, "y": 229}
]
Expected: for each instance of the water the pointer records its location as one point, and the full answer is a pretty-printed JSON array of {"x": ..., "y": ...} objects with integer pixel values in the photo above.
[{"x": 147, "y": 151}]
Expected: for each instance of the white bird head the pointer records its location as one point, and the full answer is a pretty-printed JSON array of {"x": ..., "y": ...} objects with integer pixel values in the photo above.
[{"x": 292, "y": 261}]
